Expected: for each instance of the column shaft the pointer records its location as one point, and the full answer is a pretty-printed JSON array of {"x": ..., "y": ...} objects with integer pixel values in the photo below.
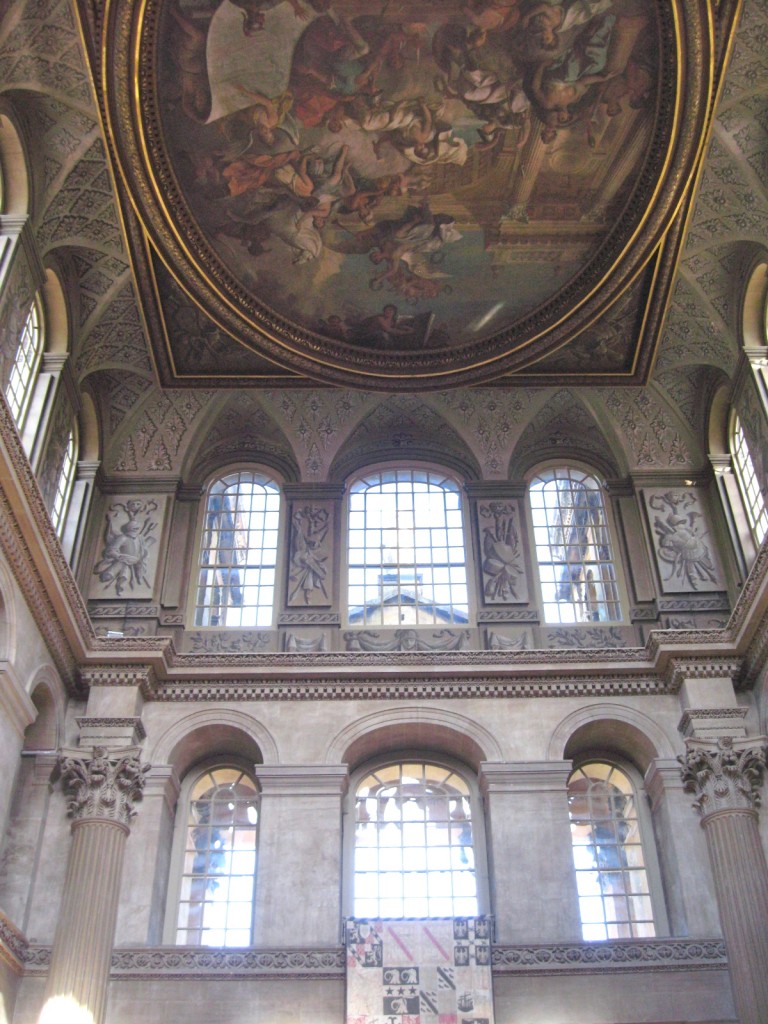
[
  {"x": 82, "y": 948},
  {"x": 741, "y": 883}
]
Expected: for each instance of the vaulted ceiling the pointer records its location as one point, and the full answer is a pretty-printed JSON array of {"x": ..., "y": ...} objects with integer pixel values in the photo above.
[{"x": 161, "y": 401}]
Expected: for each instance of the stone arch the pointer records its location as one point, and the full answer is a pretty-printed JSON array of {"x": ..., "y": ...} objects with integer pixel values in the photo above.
[
  {"x": 608, "y": 728},
  {"x": 237, "y": 430},
  {"x": 14, "y": 166},
  {"x": 566, "y": 430},
  {"x": 404, "y": 430},
  {"x": 419, "y": 728},
  {"x": 212, "y": 732},
  {"x": 44, "y": 734},
  {"x": 754, "y": 303},
  {"x": 56, "y": 313},
  {"x": 8, "y": 630}
]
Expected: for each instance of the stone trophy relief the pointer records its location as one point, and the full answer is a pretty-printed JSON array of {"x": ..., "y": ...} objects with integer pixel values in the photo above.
[
  {"x": 686, "y": 554},
  {"x": 126, "y": 566},
  {"x": 401, "y": 195}
]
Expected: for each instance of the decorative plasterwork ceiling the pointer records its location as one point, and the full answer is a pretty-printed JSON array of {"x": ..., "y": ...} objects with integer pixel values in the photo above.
[{"x": 418, "y": 197}]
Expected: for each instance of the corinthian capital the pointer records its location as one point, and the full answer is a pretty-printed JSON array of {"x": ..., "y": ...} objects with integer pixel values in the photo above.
[
  {"x": 102, "y": 786},
  {"x": 724, "y": 775}
]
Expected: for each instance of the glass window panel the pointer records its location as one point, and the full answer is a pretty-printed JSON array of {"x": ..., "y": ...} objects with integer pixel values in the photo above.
[
  {"x": 416, "y": 859},
  {"x": 396, "y": 539},
  {"x": 219, "y": 864},
  {"x": 573, "y": 548},
  {"x": 605, "y": 838},
  {"x": 26, "y": 363}
]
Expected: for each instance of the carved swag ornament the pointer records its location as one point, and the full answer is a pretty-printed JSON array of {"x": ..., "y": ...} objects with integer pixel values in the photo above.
[
  {"x": 725, "y": 777},
  {"x": 104, "y": 786}
]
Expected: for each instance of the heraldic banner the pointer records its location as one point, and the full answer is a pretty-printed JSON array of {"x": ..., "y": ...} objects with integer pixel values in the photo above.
[{"x": 411, "y": 971}]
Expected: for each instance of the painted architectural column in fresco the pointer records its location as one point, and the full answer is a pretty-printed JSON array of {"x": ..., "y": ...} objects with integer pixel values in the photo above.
[
  {"x": 100, "y": 791},
  {"x": 726, "y": 777}
]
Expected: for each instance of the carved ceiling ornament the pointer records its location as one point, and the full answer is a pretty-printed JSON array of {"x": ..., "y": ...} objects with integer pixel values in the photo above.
[
  {"x": 103, "y": 786},
  {"x": 396, "y": 229},
  {"x": 725, "y": 776}
]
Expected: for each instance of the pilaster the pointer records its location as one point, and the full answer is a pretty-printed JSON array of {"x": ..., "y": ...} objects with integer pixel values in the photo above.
[
  {"x": 299, "y": 845},
  {"x": 526, "y": 809}
]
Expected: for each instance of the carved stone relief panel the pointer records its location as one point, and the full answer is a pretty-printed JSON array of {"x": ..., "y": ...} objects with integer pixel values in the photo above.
[
  {"x": 310, "y": 562},
  {"x": 508, "y": 640},
  {"x": 126, "y": 566},
  {"x": 230, "y": 641},
  {"x": 686, "y": 555},
  {"x": 408, "y": 640},
  {"x": 501, "y": 561}
]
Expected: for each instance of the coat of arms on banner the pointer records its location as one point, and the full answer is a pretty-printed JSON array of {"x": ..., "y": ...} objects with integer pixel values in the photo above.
[{"x": 419, "y": 971}]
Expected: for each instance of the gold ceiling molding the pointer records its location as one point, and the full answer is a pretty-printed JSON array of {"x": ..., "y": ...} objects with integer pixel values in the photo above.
[{"x": 525, "y": 226}]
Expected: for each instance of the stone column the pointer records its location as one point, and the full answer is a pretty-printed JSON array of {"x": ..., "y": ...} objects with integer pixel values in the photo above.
[
  {"x": 526, "y": 811},
  {"x": 100, "y": 792},
  {"x": 725, "y": 777}
]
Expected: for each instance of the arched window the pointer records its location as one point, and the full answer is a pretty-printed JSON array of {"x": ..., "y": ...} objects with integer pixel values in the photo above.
[
  {"x": 29, "y": 353},
  {"x": 744, "y": 468},
  {"x": 406, "y": 556},
  {"x": 238, "y": 552},
  {"x": 414, "y": 852},
  {"x": 65, "y": 483},
  {"x": 610, "y": 862},
  {"x": 577, "y": 573},
  {"x": 215, "y": 847}
]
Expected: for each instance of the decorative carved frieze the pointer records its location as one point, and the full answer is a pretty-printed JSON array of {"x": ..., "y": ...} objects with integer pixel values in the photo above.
[
  {"x": 232, "y": 641},
  {"x": 617, "y": 957},
  {"x": 412, "y": 687},
  {"x": 681, "y": 669},
  {"x": 13, "y": 945},
  {"x": 407, "y": 640},
  {"x": 709, "y": 723},
  {"x": 308, "y": 619},
  {"x": 104, "y": 786},
  {"x": 726, "y": 775}
]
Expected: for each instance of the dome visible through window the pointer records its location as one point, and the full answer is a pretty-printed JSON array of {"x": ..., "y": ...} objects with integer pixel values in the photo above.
[{"x": 407, "y": 562}]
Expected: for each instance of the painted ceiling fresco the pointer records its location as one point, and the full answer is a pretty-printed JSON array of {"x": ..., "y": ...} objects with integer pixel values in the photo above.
[{"x": 408, "y": 190}]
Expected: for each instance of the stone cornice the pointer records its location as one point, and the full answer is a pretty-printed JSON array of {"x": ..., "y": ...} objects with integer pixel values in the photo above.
[
  {"x": 627, "y": 956},
  {"x": 524, "y": 776},
  {"x": 302, "y": 779},
  {"x": 13, "y": 945}
]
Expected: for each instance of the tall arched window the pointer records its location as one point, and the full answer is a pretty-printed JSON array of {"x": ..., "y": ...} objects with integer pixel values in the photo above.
[
  {"x": 414, "y": 850},
  {"x": 608, "y": 854},
  {"x": 406, "y": 556},
  {"x": 577, "y": 573},
  {"x": 744, "y": 468},
  {"x": 65, "y": 483},
  {"x": 238, "y": 552},
  {"x": 216, "y": 843},
  {"x": 18, "y": 390}
]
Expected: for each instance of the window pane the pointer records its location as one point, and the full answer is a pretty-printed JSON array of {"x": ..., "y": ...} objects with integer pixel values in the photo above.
[
  {"x": 399, "y": 547},
  {"x": 613, "y": 900},
  {"x": 238, "y": 552},
  {"x": 418, "y": 831},
  {"x": 64, "y": 484},
  {"x": 219, "y": 866},
  {"x": 573, "y": 547},
  {"x": 744, "y": 467},
  {"x": 26, "y": 363}
]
